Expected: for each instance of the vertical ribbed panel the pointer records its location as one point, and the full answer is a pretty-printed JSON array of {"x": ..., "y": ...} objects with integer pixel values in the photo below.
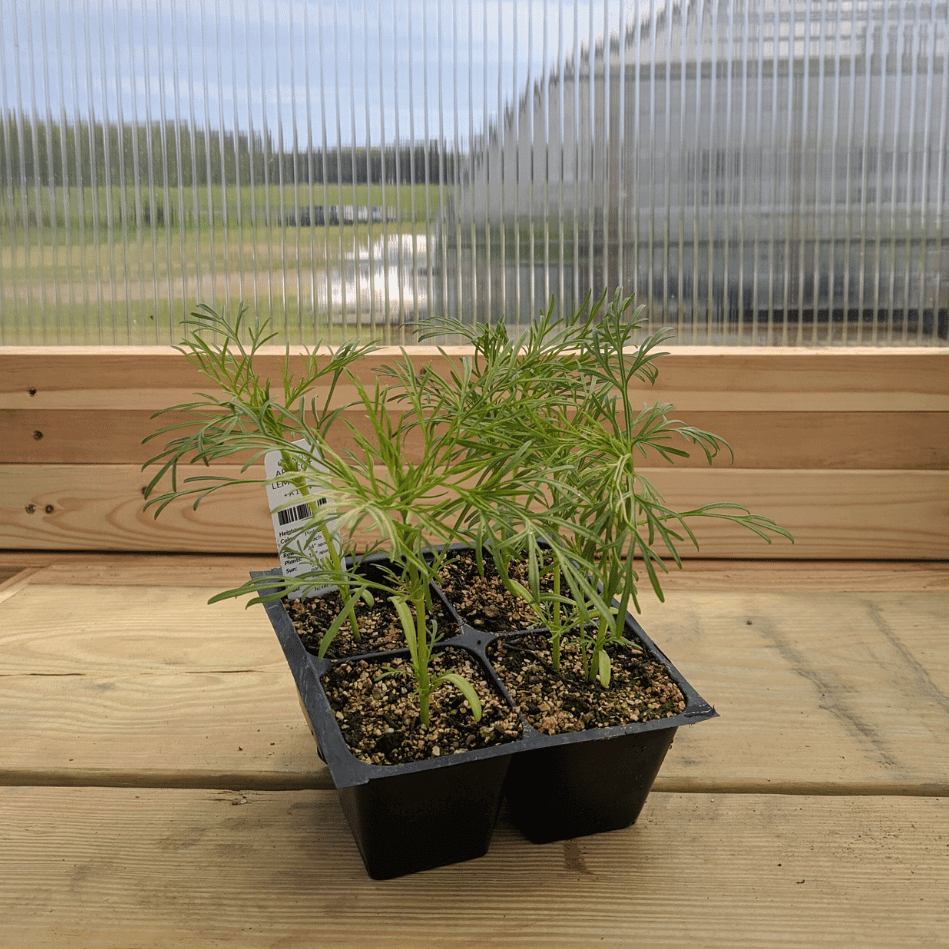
[{"x": 757, "y": 172}]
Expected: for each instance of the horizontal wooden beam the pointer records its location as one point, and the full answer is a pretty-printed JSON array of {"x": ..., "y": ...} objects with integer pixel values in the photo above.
[
  {"x": 844, "y": 446},
  {"x": 833, "y": 514},
  {"x": 692, "y": 378},
  {"x": 800, "y": 440},
  {"x": 133, "y": 569}
]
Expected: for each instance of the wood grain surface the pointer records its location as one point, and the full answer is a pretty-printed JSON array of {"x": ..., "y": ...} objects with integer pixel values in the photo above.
[
  {"x": 159, "y": 787},
  {"x": 694, "y": 378},
  {"x": 852, "y": 689},
  {"x": 115, "y": 869},
  {"x": 124, "y": 568},
  {"x": 896, "y": 440},
  {"x": 832, "y": 514},
  {"x": 850, "y": 446}
]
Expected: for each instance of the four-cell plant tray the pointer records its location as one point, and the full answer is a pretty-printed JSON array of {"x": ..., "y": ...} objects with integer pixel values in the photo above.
[{"x": 425, "y": 814}]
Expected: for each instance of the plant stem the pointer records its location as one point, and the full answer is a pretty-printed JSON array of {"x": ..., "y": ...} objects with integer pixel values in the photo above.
[
  {"x": 556, "y": 626},
  {"x": 422, "y": 674}
]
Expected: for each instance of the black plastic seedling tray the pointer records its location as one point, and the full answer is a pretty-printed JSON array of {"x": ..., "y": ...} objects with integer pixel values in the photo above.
[{"x": 411, "y": 817}]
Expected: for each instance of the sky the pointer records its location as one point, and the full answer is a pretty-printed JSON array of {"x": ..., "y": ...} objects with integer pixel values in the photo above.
[{"x": 338, "y": 70}]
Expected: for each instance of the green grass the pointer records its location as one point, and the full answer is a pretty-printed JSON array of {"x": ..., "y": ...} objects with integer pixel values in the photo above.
[
  {"x": 171, "y": 251},
  {"x": 113, "y": 279},
  {"x": 144, "y": 324},
  {"x": 84, "y": 212},
  {"x": 140, "y": 291}
]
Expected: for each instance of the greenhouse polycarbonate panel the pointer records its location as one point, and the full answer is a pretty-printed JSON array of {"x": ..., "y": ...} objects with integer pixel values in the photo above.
[{"x": 756, "y": 172}]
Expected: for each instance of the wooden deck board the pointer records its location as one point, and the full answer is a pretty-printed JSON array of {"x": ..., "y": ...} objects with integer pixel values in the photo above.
[
  {"x": 52, "y": 629},
  {"x": 223, "y": 570},
  {"x": 167, "y": 730},
  {"x": 117, "y": 869},
  {"x": 832, "y": 688},
  {"x": 820, "y": 690},
  {"x": 159, "y": 786}
]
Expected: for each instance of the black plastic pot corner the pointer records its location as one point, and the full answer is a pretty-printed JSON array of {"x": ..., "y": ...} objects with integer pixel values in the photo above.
[
  {"x": 418, "y": 820},
  {"x": 569, "y": 791},
  {"x": 403, "y": 818},
  {"x": 591, "y": 782}
]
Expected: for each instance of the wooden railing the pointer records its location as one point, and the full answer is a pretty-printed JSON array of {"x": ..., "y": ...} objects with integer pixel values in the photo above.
[{"x": 848, "y": 449}]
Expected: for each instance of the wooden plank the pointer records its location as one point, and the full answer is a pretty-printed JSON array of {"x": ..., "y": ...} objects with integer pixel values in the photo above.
[
  {"x": 12, "y": 581},
  {"x": 832, "y": 514},
  {"x": 100, "y": 507},
  {"x": 693, "y": 378},
  {"x": 221, "y": 570},
  {"x": 226, "y": 730},
  {"x": 158, "y": 687},
  {"x": 205, "y": 571},
  {"x": 805, "y": 576},
  {"x": 798, "y": 440},
  {"x": 827, "y": 440},
  {"x": 165, "y": 729},
  {"x": 117, "y": 436},
  {"x": 816, "y": 689},
  {"x": 66, "y": 630},
  {"x": 119, "y": 868}
]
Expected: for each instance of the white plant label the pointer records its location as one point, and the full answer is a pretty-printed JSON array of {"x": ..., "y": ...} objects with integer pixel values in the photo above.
[{"x": 298, "y": 549}]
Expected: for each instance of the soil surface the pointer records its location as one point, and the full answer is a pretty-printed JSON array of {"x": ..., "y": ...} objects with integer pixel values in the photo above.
[
  {"x": 379, "y": 627},
  {"x": 377, "y": 708},
  {"x": 378, "y": 711},
  {"x": 482, "y": 601},
  {"x": 640, "y": 689}
]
